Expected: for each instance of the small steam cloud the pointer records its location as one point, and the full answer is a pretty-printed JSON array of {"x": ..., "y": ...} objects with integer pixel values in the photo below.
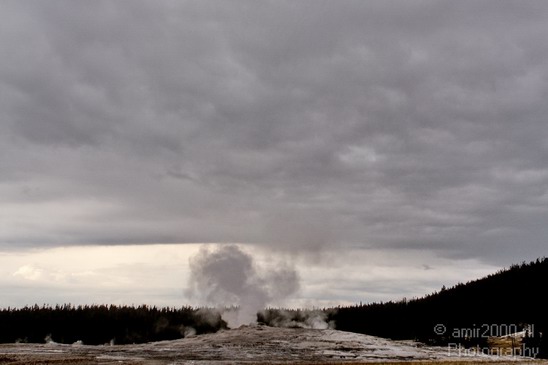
[
  {"x": 312, "y": 318},
  {"x": 188, "y": 331},
  {"x": 49, "y": 340},
  {"x": 228, "y": 277}
]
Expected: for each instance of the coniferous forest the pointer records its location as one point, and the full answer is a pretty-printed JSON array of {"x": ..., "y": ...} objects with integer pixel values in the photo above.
[
  {"x": 508, "y": 301},
  {"x": 101, "y": 324},
  {"x": 500, "y": 304}
]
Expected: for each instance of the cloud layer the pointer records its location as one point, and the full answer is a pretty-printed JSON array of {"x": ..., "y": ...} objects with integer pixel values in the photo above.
[{"x": 294, "y": 125}]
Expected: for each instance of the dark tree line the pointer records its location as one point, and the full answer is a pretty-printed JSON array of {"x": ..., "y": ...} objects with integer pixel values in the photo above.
[
  {"x": 509, "y": 300},
  {"x": 100, "y": 324}
]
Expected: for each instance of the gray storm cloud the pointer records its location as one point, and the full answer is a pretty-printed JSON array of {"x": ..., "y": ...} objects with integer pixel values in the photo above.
[
  {"x": 229, "y": 277},
  {"x": 297, "y": 126}
]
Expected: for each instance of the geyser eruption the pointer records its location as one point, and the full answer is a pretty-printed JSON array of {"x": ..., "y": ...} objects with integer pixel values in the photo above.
[{"x": 228, "y": 277}]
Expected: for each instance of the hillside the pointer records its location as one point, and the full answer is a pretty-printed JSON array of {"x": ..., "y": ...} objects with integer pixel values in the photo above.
[{"x": 508, "y": 301}]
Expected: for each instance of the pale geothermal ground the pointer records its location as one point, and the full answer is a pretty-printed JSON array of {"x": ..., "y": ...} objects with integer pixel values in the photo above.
[{"x": 249, "y": 345}]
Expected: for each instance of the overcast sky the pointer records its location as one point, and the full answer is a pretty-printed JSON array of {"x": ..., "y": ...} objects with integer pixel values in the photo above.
[{"x": 414, "y": 132}]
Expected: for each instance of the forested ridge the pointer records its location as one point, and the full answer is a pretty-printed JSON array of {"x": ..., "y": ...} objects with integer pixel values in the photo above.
[{"x": 468, "y": 313}]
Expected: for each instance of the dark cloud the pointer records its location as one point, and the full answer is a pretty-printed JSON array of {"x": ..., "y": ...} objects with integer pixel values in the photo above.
[{"x": 294, "y": 125}]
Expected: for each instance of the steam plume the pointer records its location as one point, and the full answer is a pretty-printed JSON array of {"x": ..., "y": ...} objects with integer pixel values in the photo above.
[
  {"x": 308, "y": 318},
  {"x": 228, "y": 277}
]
